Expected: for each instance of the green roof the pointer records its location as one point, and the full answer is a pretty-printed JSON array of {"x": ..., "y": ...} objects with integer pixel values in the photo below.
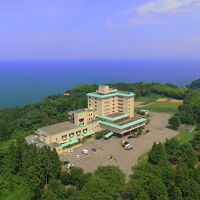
[
  {"x": 73, "y": 141},
  {"x": 88, "y": 133},
  {"x": 123, "y": 126},
  {"x": 113, "y": 118},
  {"x": 108, "y": 135},
  {"x": 129, "y": 94}
]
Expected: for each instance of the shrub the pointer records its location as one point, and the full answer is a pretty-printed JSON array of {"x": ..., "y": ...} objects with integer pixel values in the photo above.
[{"x": 99, "y": 135}]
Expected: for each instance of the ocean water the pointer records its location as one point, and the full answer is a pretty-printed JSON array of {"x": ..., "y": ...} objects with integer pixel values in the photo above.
[{"x": 29, "y": 81}]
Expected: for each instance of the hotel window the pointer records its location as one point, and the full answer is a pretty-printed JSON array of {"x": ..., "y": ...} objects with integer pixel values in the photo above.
[
  {"x": 71, "y": 135},
  {"x": 81, "y": 120},
  {"x": 64, "y": 137},
  {"x": 78, "y": 133},
  {"x": 85, "y": 130}
]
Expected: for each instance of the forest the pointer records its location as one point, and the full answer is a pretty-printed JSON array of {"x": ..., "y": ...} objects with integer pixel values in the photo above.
[{"x": 171, "y": 171}]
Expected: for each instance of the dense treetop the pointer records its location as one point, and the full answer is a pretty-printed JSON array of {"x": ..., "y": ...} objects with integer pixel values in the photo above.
[{"x": 194, "y": 85}]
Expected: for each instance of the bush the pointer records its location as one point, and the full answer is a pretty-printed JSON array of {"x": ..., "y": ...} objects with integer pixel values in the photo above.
[
  {"x": 175, "y": 122},
  {"x": 99, "y": 135}
]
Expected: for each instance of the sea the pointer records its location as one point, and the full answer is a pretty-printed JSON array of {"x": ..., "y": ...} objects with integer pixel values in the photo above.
[{"x": 29, "y": 81}]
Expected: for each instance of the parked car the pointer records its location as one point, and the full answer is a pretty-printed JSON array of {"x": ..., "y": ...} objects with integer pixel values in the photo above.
[
  {"x": 126, "y": 145},
  {"x": 94, "y": 149},
  {"x": 85, "y": 151},
  {"x": 68, "y": 165},
  {"x": 123, "y": 143}
]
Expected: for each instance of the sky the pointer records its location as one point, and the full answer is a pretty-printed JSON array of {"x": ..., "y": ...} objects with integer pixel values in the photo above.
[{"x": 102, "y": 29}]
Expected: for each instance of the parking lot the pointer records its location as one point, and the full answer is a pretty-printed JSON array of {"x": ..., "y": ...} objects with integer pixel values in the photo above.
[{"x": 120, "y": 157}]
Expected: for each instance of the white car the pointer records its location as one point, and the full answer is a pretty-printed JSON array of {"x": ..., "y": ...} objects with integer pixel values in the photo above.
[
  {"x": 68, "y": 165},
  {"x": 85, "y": 151},
  {"x": 126, "y": 145}
]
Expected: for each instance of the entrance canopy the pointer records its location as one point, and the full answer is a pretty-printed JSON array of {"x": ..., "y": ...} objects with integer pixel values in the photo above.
[
  {"x": 88, "y": 133},
  {"x": 108, "y": 135},
  {"x": 73, "y": 141}
]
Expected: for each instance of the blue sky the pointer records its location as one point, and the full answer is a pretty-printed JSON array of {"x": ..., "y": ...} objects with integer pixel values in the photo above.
[{"x": 107, "y": 29}]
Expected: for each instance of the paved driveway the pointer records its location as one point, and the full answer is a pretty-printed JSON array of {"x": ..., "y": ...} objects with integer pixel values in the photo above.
[{"x": 120, "y": 157}]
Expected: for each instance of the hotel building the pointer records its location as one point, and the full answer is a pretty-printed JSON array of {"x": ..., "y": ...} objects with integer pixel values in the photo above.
[{"x": 108, "y": 109}]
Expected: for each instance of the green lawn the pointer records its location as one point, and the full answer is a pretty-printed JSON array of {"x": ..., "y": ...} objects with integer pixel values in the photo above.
[
  {"x": 163, "y": 107},
  {"x": 185, "y": 136},
  {"x": 149, "y": 99},
  {"x": 143, "y": 159}
]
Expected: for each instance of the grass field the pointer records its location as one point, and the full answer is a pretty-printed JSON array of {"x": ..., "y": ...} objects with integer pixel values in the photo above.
[
  {"x": 143, "y": 158},
  {"x": 163, "y": 107},
  {"x": 150, "y": 103},
  {"x": 148, "y": 99},
  {"x": 185, "y": 136}
]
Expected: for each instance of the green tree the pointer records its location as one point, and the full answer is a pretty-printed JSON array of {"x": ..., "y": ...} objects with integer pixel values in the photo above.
[
  {"x": 195, "y": 174},
  {"x": 55, "y": 191},
  {"x": 176, "y": 194},
  {"x": 186, "y": 155},
  {"x": 111, "y": 174},
  {"x": 194, "y": 85},
  {"x": 196, "y": 142},
  {"x": 182, "y": 175},
  {"x": 135, "y": 191},
  {"x": 75, "y": 177},
  {"x": 175, "y": 122},
  {"x": 157, "y": 190},
  {"x": 171, "y": 147},
  {"x": 157, "y": 155},
  {"x": 190, "y": 189},
  {"x": 97, "y": 188}
]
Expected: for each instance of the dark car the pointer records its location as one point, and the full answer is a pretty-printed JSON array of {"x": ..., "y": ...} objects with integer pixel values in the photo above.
[
  {"x": 94, "y": 150},
  {"x": 66, "y": 162}
]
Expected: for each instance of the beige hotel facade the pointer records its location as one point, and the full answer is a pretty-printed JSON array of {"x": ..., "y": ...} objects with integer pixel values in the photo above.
[{"x": 108, "y": 109}]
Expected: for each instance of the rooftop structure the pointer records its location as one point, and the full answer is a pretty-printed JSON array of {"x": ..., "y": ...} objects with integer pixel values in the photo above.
[
  {"x": 113, "y": 117},
  {"x": 127, "y": 125},
  {"x": 56, "y": 128}
]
